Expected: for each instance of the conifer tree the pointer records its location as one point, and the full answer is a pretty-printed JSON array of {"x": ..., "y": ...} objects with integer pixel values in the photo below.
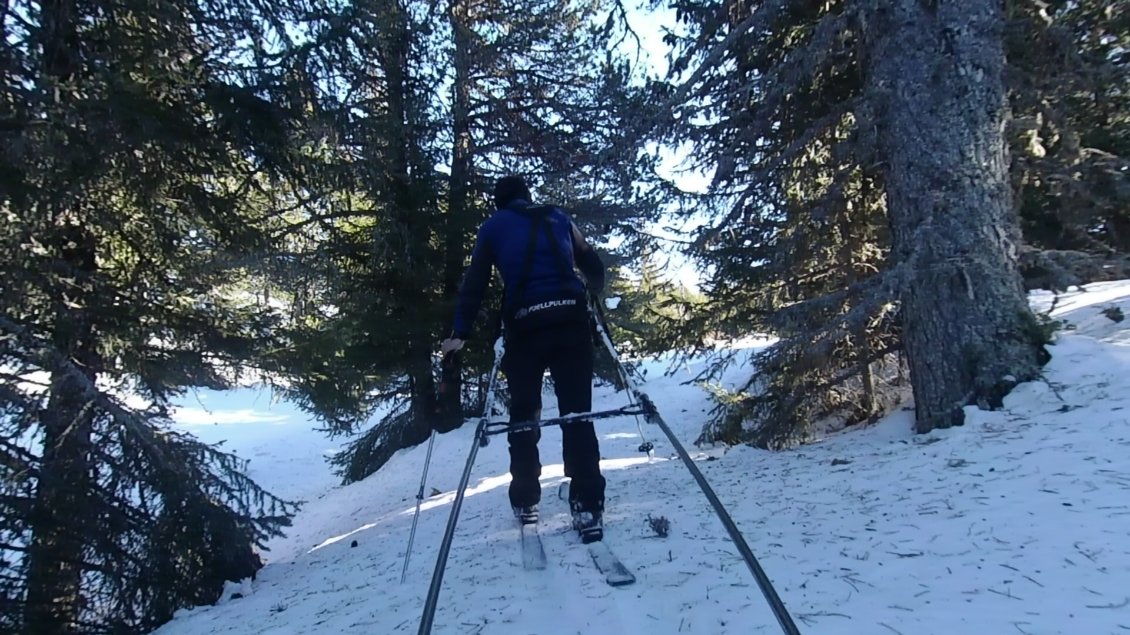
[
  {"x": 803, "y": 112},
  {"x": 148, "y": 151},
  {"x": 533, "y": 92}
]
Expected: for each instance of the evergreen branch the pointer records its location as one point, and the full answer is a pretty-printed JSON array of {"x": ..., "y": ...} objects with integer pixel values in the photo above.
[
  {"x": 154, "y": 446},
  {"x": 18, "y": 460},
  {"x": 765, "y": 15},
  {"x": 776, "y": 161},
  {"x": 7, "y": 546},
  {"x": 804, "y": 61},
  {"x": 322, "y": 218}
]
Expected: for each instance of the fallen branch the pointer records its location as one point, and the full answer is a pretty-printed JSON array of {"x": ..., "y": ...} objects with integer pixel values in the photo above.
[
  {"x": 1120, "y": 605},
  {"x": 1007, "y": 595}
]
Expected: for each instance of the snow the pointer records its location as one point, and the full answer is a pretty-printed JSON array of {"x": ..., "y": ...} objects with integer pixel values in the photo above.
[
  {"x": 285, "y": 453},
  {"x": 1016, "y": 522}
]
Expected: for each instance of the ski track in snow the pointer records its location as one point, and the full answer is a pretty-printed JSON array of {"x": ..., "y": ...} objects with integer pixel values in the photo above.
[{"x": 1017, "y": 522}]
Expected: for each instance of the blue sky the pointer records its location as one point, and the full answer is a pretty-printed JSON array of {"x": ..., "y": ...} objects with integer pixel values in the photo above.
[{"x": 651, "y": 25}]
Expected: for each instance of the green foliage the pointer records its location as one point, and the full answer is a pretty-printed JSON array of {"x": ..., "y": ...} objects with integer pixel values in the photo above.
[
  {"x": 387, "y": 254},
  {"x": 799, "y": 238},
  {"x": 1043, "y": 328},
  {"x": 201, "y": 194},
  {"x": 649, "y": 308},
  {"x": 150, "y": 153},
  {"x": 1070, "y": 94}
]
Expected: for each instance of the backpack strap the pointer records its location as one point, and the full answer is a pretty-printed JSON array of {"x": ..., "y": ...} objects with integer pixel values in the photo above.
[
  {"x": 528, "y": 264},
  {"x": 562, "y": 263},
  {"x": 538, "y": 216}
]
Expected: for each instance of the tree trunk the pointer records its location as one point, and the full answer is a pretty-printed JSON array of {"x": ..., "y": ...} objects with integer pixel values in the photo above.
[
  {"x": 423, "y": 396},
  {"x": 55, "y": 555},
  {"x": 460, "y": 190},
  {"x": 937, "y": 70},
  {"x": 411, "y": 226},
  {"x": 459, "y": 193},
  {"x": 61, "y": 508}
]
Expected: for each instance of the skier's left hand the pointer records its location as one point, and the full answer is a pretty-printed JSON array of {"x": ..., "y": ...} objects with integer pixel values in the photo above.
[{"x": 451, "y": 345}]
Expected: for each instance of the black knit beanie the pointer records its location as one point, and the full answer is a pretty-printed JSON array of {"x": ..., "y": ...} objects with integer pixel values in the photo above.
[{"x": 508, "y": 189}]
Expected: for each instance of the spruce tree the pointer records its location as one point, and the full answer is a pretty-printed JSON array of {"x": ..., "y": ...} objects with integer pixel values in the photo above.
[
  {"x": 528, "y": 96},
  {"x": 1069, "y": 85},
  {"x": 796, "y": 110},
  {"x": 148, "y": 151}
]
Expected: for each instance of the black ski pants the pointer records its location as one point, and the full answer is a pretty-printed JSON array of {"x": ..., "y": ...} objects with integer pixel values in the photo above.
[{"x": 567, "y": 351}]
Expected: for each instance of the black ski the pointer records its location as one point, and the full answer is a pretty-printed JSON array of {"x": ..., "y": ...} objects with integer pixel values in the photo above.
[
  {"x": 533, "y": 553},
  {"x": 615, "y": 573}
]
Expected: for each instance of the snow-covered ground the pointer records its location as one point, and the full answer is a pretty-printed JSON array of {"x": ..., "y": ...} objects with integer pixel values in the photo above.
[{"x": 1017, "y": 522}]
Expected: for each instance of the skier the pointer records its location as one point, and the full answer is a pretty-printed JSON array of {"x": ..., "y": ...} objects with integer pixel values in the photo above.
[{"x": 546, "y": 325}]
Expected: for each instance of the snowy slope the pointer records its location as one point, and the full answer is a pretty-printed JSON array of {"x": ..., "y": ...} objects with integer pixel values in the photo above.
[{"x": 1017, "y": 522}]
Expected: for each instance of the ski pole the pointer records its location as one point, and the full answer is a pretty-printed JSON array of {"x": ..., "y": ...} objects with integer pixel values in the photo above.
[
  {"x": 432, "y": 599},
  {"x": 419, "y": 499},
  {"x": 602, "y": 330},
  {"x": 447, "y": 367},
  {"x": 762, "y": 578}
]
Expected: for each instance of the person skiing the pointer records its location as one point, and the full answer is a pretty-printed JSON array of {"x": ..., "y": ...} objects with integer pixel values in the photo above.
[{"x": 536, "y": 249}]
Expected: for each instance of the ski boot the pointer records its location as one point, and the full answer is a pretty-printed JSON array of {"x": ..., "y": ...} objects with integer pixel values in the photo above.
[
  {"x": 589, "y": 522},
  {"x": 527, "y": 515}
]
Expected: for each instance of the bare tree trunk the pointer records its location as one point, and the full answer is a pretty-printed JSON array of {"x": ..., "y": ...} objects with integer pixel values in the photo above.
[
  {"x": 460, "y": 191},
  {"x": 55, "y": 555},
  {"x": 937, "y": 68}
]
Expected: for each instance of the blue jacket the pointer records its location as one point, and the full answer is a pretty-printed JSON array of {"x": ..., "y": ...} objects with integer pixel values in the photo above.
[{"x": 503, "y": 242}]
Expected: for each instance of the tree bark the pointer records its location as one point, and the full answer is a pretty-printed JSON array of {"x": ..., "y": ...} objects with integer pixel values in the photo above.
[
  {"x": 937, "y": 69},
  {"x": 459, "y": 194},
  {"x": 61, "y": 508},
  {"x": 423, "y": 398},
  {"x": 412, "y": 228},
  {"x": 460, "y": 190}
]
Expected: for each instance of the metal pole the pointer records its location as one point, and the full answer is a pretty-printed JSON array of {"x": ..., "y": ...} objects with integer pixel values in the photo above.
[
  {"x": 606, "y": 337},
  {"x": 419, "y": 499},
  {"x": 432, "y": 599},
  {"x": 763, "y": 581},
  {"x": 503, "y": 427},
  {"x": 448, "y": 534},
  {"x": 446, "y": 365}
]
